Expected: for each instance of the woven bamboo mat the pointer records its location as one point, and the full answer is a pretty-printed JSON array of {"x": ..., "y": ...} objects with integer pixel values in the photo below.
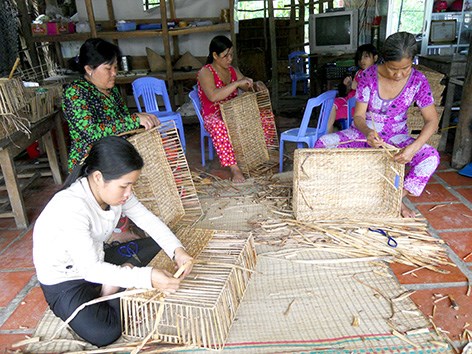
[
  {"x": 302, "y": 298},
  {"x": 306, "y": 301}
]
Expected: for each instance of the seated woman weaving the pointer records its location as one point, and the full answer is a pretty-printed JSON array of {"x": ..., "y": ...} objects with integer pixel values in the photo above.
[
  {"x": 219, "y": 82},
  {"x": 68, "y": 242},
  {"x": 384, "y": 94}
]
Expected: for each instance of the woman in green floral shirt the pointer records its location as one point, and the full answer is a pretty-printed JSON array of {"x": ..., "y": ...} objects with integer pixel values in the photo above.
[{"x": 93, "y": 106}]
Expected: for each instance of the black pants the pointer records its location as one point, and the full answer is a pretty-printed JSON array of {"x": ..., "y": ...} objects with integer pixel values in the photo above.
[{"x": 99, "y": 324}]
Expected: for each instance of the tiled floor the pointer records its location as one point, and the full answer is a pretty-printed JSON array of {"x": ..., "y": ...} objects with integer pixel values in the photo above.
[{"x": 446, "y": 204}]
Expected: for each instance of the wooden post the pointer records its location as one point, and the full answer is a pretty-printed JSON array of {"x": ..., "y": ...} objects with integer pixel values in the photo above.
[
  {"x": 462, "y": 152},
  {"x": 91, "y": 18},
  {"x": 25, "y": 21},
  {"x": 232, "y": 33},
  {"x": 273, "y": 54},
  {"x": 165, "y": 40},
  {"x": 175, "y": 39}
]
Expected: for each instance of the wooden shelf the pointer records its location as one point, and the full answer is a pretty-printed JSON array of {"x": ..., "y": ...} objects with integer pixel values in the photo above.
[
  {"x": 63, "y": 37},
  {"x": 202, "y": 29}
]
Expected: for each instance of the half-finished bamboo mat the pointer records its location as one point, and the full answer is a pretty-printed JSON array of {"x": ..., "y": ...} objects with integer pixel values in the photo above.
[
  {"x": 311, "y": 286},
  {"x": 297, "y": 304}
]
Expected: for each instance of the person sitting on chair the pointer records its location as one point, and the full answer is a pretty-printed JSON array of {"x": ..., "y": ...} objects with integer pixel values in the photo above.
[
  {"x": 92, "y": 105},
  {"x": 384, "y": 93},
  {"x": 72, "y": 265},
  {"x": 366, "y": 56},
  {"x": 218, "y": 82}
]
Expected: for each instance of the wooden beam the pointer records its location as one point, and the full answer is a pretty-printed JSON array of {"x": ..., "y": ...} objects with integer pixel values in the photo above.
[
  {"x": 25, "y": 22},
  {"x": 273, "y": 55},
  {"x": 165, "y": 40},
  {"x": 91, "y": 18},
  {"x": 462, "y": 152}
]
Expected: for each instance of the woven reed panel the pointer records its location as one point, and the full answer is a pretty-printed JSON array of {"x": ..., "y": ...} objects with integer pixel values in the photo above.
[
  {"x": 415, "y": 120},
  {"x": 265, "y": 108},
  {"x": 346, "y": 183},
  {"x": 201, "y": 312},
  {"x": 243, "y": 122},
  {"x": 433, "y": 141},
  {"x": 12, "y": 105},
  {"x": 165, "y": 185},
  {"x": 435, "y": 80}
]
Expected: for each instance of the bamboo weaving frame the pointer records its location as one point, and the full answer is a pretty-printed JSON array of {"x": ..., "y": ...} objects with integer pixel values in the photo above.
[
  {"x": 165, "y": 185},
  {"x": 346, "y": 183},
  {"x": 242, "y": 118},
  {"x": 265, "y": 109},
  {"x": 202, "y": 311}
]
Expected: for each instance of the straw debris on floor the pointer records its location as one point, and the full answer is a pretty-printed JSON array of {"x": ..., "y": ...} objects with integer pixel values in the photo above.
[{"x": 319, "y": 286}]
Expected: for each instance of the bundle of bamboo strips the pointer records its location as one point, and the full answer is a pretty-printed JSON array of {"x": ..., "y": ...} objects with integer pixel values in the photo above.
[{"x": 352, "y": 238}]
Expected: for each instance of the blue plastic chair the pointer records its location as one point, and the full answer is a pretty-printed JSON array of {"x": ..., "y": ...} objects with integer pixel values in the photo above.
[
  {"x": 298, "y": 65},
  {"x": 305, "y": 134},
  {"x": 351, "y": 103},
  {"x": 149, "y": 88},
  {"x": 203, "y": 132}
]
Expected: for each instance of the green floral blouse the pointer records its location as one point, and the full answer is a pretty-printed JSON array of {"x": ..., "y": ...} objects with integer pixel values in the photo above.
[{"x": 92, "y": 115}]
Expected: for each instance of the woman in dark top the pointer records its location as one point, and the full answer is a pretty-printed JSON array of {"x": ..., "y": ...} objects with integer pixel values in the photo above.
[{"x": 92, "y": 105}]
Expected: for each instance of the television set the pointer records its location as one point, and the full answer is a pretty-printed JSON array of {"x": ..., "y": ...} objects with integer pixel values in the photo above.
[{"x": 333, "y": 32}]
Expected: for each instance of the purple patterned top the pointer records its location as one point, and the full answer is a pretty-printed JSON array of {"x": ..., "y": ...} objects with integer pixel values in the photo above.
[{"x": 390, "y": 115}]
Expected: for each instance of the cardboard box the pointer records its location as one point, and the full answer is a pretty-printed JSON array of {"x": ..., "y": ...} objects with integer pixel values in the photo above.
[
  {"x": 39, "y": 29},
  {"x": 56, "y": 28}
]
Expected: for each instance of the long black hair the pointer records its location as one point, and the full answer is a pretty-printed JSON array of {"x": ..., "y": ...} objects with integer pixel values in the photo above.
[
  {"x": 95, "y": 52},
  {"x": 398, "y": 46},
  {"x": 113, "y": 156},
  {"x": 218, "y": 45},
  {"x": 365, "y": 48}
]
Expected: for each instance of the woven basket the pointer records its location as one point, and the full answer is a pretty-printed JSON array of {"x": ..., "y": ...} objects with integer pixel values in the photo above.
[
  {"x": 12, "y": 105},
  {"x": 39, "y": 105},
  {"x": 433, "y": 141},
  {"x": 242, "y": 118},
  {"x": 346, "y": 183},
  {"x": 201, "y": 312},
  {"x": 267, "y": 115},
  {"x": 435, "y": 80},
  {"x": 415, "y": 120},
  {"x": 165, "y": 185}
]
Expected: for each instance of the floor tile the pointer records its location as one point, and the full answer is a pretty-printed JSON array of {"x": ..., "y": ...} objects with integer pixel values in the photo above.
[
  {"x": 466, "y": 193},
  {"x": 19, "y": 254},
  {"x": 445, "y": 316},
  {"x": 451, "y": 216},
  {"x": 454, "y": 179},
  {"x": 6, "y": 236},
  {"x": 28, "y": 314},
  {"x": 434, "y": 193},
  {"x": 425, "y": 276},
  {"x": 460, "y": 243},
  {"x": 11, "y": 284},
  {"x": 7, "y": 340}
]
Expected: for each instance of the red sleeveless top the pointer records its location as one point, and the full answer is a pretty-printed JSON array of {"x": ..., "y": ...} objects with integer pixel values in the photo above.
[{"x": 210, "y": 108}]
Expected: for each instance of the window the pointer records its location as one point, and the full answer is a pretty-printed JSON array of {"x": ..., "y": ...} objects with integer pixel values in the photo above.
[{"x": 150, "y": 4}]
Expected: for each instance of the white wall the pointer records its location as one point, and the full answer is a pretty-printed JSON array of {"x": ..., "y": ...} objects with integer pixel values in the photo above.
[{"x": 197, "y": 44}]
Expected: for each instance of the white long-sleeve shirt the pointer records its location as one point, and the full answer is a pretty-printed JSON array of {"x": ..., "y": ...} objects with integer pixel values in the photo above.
[{"x": 68, "y": 239}]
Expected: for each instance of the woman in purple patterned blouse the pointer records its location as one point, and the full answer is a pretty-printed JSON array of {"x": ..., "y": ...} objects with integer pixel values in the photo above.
[{"x": 383, "y": 95}]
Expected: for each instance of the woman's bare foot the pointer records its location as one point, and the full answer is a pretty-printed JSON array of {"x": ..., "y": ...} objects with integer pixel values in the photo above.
[
  {"x": 407, "y": 212},
  {"x": 236, "y": 174}
]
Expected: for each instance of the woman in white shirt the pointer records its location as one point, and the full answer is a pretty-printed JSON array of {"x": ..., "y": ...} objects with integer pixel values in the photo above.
[{"x": 69, "y": 236}]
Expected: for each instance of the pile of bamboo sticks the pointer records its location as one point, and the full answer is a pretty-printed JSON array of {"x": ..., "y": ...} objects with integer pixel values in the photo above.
[{"x": 353, "y": 239}]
